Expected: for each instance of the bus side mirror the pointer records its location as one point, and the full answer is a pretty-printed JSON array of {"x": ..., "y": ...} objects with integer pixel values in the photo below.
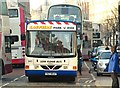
[
  {"x": 22, "y": 36},
  {"x": 10, "y": 31}
]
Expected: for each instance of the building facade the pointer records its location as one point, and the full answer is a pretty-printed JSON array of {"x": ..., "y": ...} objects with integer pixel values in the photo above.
[
  {"x": 101, "y": 9},
  {"x": 25, "y": 4}
]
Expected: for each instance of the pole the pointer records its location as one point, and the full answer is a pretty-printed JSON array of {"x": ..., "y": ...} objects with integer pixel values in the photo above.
[{"x": 119, "y": 21}]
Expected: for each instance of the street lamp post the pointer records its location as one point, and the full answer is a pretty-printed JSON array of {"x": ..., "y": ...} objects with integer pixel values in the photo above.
[{"x": 119, "y": 20}]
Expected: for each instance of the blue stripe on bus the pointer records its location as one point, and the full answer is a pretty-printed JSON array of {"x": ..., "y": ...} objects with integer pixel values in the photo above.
[{"x": 42, "y": 72}]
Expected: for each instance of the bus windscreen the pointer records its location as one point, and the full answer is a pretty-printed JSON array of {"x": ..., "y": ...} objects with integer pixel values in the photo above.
[
  {"x": 65, "y": 13},
  {"x": 47, "y": 43},
  {"x": 13, "y": 13}
]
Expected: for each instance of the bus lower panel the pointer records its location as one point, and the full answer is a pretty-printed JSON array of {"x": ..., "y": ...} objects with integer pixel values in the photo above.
[
  {"x": 8, "y": 68},
  {"x": 43, "y": 72},
  {"x": 18, "y": 61}
]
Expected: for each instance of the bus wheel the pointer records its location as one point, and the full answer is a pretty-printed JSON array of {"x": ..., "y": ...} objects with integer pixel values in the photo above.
[
  {"x": 0, "y": 69},
  {"x": 31, "y": 79},
  {"x": 99, "y": 74},
  {"x": 3, "y": 69},
  {"x": 72, "y": 79}
]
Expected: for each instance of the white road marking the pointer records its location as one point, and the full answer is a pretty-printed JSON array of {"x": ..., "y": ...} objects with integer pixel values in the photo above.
[
  {"x": 86, "y": 86},
  {"x": 93, "y": 77},
  {"x": 22, "y": 76},
  {"x": 87, "y": 81},
  {"x": 15, "y": 79},
  {"x": 86, "y": 65},
  {"x": 4, "y": 85},
  {"x": 12, "y": 81}
]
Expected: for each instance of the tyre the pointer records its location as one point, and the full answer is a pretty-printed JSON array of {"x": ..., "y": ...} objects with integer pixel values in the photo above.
[
  {"x": 72, "y": 79},
  {"x": 99, "y": 74},
  {"x": 31, "y": 79},
  {"x": 0, "y": 69},
  {"x": 3, "y": 69}
]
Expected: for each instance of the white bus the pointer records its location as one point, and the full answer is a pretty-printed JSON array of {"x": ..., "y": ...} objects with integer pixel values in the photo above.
[
  {"x": 68, "y": 12},
  {"x": 51, "y": 49},
  {"x": 17, "y": 26},
  {"x": 5, "y": 41}
]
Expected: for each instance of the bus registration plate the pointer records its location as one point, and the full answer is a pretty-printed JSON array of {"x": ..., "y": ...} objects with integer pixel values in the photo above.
[{"x": 50, "y": 73}]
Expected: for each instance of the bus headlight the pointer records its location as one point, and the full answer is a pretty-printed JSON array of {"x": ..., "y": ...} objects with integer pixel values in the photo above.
[
  {"x": 74, "y": 67},
  {"x": 37, "y": 67},
  {"x": 30, "y": 61},
  {"x": 65, "y": 67},
  {"x": 29, "y": 67}
]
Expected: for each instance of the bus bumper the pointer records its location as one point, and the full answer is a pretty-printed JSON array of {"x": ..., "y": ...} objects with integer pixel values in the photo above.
[
  {"x": 50, "y": 73},
  {"x": 18, "y": 61}
]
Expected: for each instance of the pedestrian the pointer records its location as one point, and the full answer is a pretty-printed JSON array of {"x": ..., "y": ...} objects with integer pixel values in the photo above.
[
  {"x": 38, "y": 41},
  {"x": 113, "y": 67},
  {"x": 79, "y": 62}
]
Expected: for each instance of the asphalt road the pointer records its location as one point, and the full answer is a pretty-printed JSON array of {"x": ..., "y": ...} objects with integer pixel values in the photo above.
[{"x": 17, "y": 79}]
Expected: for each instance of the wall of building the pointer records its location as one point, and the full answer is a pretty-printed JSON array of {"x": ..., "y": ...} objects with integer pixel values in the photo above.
[{"x": 101, "y": 9}]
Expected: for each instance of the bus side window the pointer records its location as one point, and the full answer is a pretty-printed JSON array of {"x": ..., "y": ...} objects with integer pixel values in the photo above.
[
  {"x": 7, "y": 44},
  {"x": 4, "y": 8},
  {"x": 14, "y": 39}
]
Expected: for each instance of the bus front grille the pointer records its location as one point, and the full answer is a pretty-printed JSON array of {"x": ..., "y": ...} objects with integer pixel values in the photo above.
[{"x": 49, "y": 67}]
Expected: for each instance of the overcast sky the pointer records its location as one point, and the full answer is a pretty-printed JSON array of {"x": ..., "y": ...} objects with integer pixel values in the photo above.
[{"x": 34, "y": 4}]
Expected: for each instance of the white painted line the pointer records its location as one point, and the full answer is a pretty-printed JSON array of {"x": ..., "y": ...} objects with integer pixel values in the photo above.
[
  {"x": 22, "y": 76},
  {"x": 84, "y": 78},
  {"x": 90, "y": 81},
  {"x": 86, "y": 65},
  {"x": 93, "y": 77},
  {"x": 4, "y": 85},
  {"x": 15, "y": 79},
  {"x": 12, "y": 81},
  {"x": 86, "y": 86},
  {"x": 87, "y": 81}
]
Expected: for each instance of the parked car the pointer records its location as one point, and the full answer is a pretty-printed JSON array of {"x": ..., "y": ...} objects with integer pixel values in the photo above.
[
  {"x": 95, "y": 50},
  {"x": 103, "y": 59},
  {"x": 103, "y": 48}
]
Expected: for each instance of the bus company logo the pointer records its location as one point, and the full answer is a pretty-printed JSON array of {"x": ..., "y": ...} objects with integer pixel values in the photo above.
[
  {"x": 40, "y": 27},
  {"x": 50, "y": 61},
  {"x": 64, "y": 27},
  {"x": 57, "y": 27},
  {"x": 70, "y": 27}
]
